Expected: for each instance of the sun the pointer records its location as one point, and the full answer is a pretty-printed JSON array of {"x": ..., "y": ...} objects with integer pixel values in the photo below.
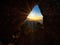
[{"x": 34, "y": 18}]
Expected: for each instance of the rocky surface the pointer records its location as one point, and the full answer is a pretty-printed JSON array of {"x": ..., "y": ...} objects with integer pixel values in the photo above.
[{"x": 12, "y": 15}]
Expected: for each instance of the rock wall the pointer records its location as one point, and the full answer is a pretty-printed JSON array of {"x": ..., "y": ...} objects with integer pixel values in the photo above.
[{"x": 13, "y": 12}]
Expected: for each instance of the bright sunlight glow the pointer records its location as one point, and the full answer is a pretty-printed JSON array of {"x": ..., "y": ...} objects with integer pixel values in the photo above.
[{"x": 35, "y": 14}]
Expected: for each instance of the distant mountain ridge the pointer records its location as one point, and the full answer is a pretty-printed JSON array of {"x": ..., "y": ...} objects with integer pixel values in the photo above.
[{"x": 34, "y": 24}]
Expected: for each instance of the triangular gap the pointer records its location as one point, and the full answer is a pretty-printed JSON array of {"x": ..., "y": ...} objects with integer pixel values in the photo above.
[{"x": 35, "y": 15}]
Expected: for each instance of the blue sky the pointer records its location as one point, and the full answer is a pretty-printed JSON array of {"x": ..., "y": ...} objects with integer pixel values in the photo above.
[{"x": 36, "y": 11}]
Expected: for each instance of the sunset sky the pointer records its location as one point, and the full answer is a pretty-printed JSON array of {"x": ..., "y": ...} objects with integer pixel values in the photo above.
[{"x": 35, "y": 14}]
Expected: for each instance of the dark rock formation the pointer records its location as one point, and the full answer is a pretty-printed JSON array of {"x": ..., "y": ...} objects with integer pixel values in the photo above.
[{"x": 12, "y": 15}]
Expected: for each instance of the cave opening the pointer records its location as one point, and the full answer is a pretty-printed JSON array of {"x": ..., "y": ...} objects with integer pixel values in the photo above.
[
  {"x": 35, "y": 18},
  {"x": 35, "y": 15}
]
